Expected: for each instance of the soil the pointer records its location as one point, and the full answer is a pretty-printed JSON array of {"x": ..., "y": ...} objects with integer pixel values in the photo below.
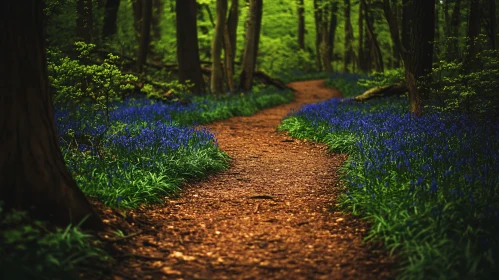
[{"x": 272, "y": 215}]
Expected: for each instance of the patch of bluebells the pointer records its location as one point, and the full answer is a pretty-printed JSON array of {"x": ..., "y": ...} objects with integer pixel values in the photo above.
[{"x": 442, "y": 169}]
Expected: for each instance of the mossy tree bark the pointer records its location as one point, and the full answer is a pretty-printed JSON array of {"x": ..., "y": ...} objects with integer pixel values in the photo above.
[
  {"x": 187, "y": 45},
  {"x": 33, "y": 174},
  {"x": 230, "y": 40}
]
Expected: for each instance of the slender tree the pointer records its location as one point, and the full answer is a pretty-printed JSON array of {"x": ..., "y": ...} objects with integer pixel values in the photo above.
[
  {"x": 360, "y": 55},
  {"x": 349, "y": 53},
  {"x": 318, "y": 37},
  {"x": 253, "y": 26},
  {"x": 33, "y": 175},
  {"x": 474, "y": 28},
  {"x": 301, "y": 24},
  {"x": 145, "y": 34},
  {"x": 137, "y": 14},
  {"x": 84, "y": 20},
  {"x": 217, "y": 85},
  {"x": 230, "y": 33},
  {"x": 379, "y": 66},
  {"x": 187, "y": 45},
  {"x": 157, "y": 14},
  {"x": 109, "y": 27}
]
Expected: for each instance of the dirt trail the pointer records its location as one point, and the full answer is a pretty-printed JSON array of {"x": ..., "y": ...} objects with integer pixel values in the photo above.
[{"x": 268, "y": 217}]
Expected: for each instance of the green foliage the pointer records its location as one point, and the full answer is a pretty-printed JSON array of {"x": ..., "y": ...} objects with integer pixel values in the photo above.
[
  {"x": 473, "y": 90},
  {"x": 29, "y": 250},
  {"x": 388, "y": 77},
  {"x": 75, "y": 81}
]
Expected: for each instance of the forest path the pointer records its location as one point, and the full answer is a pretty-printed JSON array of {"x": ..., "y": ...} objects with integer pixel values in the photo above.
[{"x": 267, "y": 217}]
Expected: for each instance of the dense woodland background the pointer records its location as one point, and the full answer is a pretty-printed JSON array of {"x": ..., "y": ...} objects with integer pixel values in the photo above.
[{"x": 191, "y": 56}]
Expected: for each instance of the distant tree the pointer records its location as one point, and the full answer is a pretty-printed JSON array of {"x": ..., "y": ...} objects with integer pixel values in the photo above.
[
  {"x": 217, "y": 84},
  {"x": 156, "y": 18},
  {"x": 145, "y": 34},
  {"x": 349, "y": 53},
  {"x": 187, "y": 45},
  {"x": 378, "y": 58},
  {"x": 137, "y": 14},
  {"x": 360, "y": 52},
  {"x": 33, "y": 174},
  {"x": 326, "y": 16},
  {"x": 318, "y": 38},
  {"x": 474, "y": 27},
  {"x": 301, "y": 24},
  {"x": 109, "y": 27},
  {"x": 84, "y": 20},
  {"x": 253, "y": 26},
  {"x": 230, "y": 40}
]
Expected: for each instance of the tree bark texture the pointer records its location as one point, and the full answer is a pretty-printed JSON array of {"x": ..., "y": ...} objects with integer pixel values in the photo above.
[
  {"x": 33, "y": 174},
  {"x": 251, "y": 44},
  {"x": 145, "y": 34},
  {"x": 84, "y": 20},
  {"x": 301, "y": 24},
  {"x": 217, "y": 85},
  {"x": 109, "y": 27},
  {"x": 187, "y": 45}
]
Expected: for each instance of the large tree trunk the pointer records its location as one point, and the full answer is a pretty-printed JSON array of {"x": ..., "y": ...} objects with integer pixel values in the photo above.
[
  {"x": 418, "y": 64},
  {"x": 349, "y": 53},
  {"x": 145, "y": 34},
  {"x": 84, "y": 20},
  {"x": 187, "y": 45},
  {"x": 217, "y": 85},
  {"x": 301, "y": 25},
  {"x": 33, "y": 175},
  {"x": 110, "y": 15},
  {"x": 251, "y": 44}
]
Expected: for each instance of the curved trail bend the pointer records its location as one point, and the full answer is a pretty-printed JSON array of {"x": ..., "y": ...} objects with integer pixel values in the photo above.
[{"x": 267, "y": 217}]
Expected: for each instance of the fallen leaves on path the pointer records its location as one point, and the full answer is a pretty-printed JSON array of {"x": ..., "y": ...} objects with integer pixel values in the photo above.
[{"x": 267, "y": 217}]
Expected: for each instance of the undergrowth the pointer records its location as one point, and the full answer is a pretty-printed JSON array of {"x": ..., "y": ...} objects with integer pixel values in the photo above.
[{"x": 429, "y": 185}]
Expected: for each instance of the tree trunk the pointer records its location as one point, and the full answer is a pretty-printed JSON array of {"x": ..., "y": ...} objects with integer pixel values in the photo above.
[
  {"x": 187, "y": 45},
  {"x": 370, "y": 32},
  {"x": 157, "y": 14},
  {"x": 419, "y": 63},
  {"x": 137, "y": 14},
  {"x": 251, "y": 44},
  {"x": 110, "y": 15},
  {"x": 301, "y": 25},
  {"x": 494, "y": 37},
  {"x": 217, "y": 85},
  {"x": 145, "y": 34},
  {"x": 348, "y": 37},
  {"x": 473, "y": 33},
  {"x": 318, "y": 38},
  {"x": 33, "y": 174},
  {"x": 84, "y": 20},
  {"x": 333, "y": 24},
  {"x": 360, "y": 57},
  {"x": 453, "y": 50},
  {"x": 230, "y": 40}
]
